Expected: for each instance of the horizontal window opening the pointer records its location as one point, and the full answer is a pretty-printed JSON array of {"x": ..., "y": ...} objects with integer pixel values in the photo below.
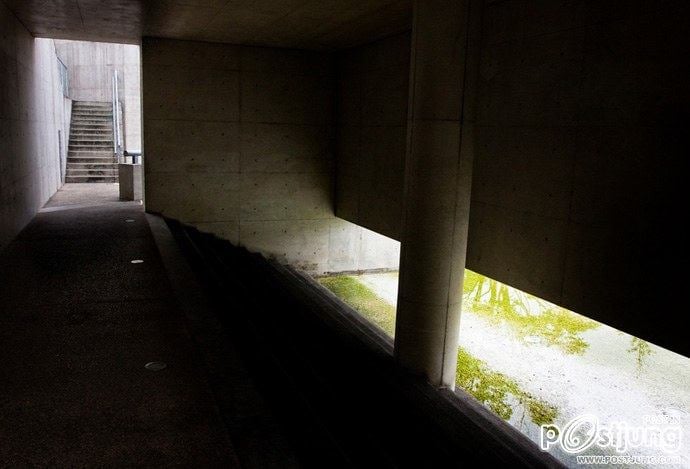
[{"x": 536, "y": 364}]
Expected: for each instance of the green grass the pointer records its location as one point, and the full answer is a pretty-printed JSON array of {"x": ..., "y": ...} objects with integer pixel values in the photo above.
[
  {"x": 502, "y": 304},
  {"x": 494, "y": 390},
  {"x": 363, "y": 300},
  {"x": 489, "y": 387}
]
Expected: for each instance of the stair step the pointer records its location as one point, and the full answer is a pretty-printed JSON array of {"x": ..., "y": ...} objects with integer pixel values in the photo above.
[
  {"x": 83, "y": 169},
  {"x": 107, "y": 108},
  {"x": 101, "y": 145},
  {"x": 91, "y": 160},
  {"x": 91, "y": 132},
  {"x": 94, "y": 127},
  {"x": 84, "y": 179},
  {"x": 101, "y": 152},
  {"x": 91, "y": 137},
  {"x": 98, "y": 117},
  {"x": 91, "y": 166},
  {"x": 86, "y": 146},
  {"x": 91, "y": 157},
  {"x": 90, "y": 154},
  {"x": 91, "y": 172},
  {"x": 88, "y": 140},
  {"x": 91, "y": 111},
  {"x": 90, "y": 151},
  {"x": 92, "y": 103},
  {"x": 106, "y": 151}
]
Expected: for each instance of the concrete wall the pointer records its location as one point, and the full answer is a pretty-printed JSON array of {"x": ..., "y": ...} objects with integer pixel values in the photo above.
[
  {"x": 91, "y": 66},
  {"x": 580, "y": 156},
  {"x": 32, "y": 110},
  {"x": 238, "y": 142},
  {"x": 372, "y": 92}
]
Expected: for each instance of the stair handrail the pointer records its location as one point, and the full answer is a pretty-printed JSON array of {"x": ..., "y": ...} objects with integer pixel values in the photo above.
[{"x": 117, "y": 134}]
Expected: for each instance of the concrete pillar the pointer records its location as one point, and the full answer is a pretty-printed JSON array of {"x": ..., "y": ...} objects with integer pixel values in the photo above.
[
  {"x": 130, "y": 180},
  {"x": 438, "y": 176}
]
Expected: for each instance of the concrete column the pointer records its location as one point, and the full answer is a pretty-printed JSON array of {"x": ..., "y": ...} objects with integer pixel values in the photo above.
[{"x": 438, "y": 176}]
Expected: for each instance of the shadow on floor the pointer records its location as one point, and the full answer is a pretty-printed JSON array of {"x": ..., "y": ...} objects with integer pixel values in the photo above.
[{"x": 79, "y": 322}]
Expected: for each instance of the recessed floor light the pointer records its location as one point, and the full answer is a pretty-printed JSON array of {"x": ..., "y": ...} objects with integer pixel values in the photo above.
[
  {"x": 129, "y": 220},
  {"x": 155, "y": 366},
  {"x": 137, "y": 261}
]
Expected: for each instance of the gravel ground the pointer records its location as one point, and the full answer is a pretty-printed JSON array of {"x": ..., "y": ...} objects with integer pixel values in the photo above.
[{"x": 606, "y": 381}]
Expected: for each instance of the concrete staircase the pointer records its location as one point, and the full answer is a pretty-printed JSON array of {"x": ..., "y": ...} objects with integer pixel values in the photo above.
[{"x": 91, "y": 157}]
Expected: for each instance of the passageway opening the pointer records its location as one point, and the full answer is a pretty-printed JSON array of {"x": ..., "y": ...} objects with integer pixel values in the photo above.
[{"x": 101, "y": 151}]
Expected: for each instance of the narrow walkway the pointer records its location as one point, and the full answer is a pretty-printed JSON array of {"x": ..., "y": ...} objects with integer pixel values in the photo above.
[{"x": 78, "y": 323}]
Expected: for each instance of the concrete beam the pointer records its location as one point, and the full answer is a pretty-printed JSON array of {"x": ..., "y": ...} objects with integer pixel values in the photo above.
[{"x": 438, "y": 176}]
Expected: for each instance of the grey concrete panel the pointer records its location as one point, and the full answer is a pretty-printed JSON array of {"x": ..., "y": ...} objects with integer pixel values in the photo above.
[
  {"x": 193, "y": 146},
  {"x": 32, "y": 112},
  {"x": 285, "y": 148},
  {"x": 529, "y": 169},
  {"x": 302, "y": 243},
  {"x": 371, "y": 119},
  {"x": 186, "y": 93},
  {"x": 191, "y": 54},
  {"x": 347, "y": 172},
  {"x": 264, "y": 178},
  {"x": 285, "y": 98},
  {"x": 194, "y": 197}
]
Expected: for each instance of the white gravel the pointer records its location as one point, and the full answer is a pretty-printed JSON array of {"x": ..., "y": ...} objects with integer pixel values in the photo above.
[{"x": 604, "y": 381}]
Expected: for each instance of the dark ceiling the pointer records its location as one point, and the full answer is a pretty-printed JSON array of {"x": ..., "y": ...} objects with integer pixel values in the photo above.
[{"x": 305, "y": 24}]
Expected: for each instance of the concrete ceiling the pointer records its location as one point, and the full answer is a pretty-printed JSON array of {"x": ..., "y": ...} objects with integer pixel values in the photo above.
[{"x": 306, "y": 24}]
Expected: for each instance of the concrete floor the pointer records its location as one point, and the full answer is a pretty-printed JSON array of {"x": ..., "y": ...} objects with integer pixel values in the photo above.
[
  {"x": 79, "y": 322},
  {"x": 85, "y": 194}
]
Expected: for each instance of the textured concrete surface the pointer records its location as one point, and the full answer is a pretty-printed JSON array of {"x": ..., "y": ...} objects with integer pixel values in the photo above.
[
  {"x": 438, "y": 185},
  {"x": 32, "y": 113},
  {"x": 580, "y": 153},
  {"x": 259, "y": 439},
  {"x": 309, "y": 24},
  {"x": 130, "y": 180},
  {"x": 578, "y": 157},
  {"x": 91, "y": 65},
  {"x": 373, "y": 88},
  {"x": 79, "y": 322},
  {"x": 83, "y": 194},
  {"x": 238, "y": 143}
]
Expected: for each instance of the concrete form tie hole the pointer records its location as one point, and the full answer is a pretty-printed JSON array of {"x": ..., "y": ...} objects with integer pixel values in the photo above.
[{"x": 155, "y": 366}]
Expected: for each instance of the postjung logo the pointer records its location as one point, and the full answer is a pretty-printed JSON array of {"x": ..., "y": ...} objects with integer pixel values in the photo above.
[{"x": 663, "y": 433}]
